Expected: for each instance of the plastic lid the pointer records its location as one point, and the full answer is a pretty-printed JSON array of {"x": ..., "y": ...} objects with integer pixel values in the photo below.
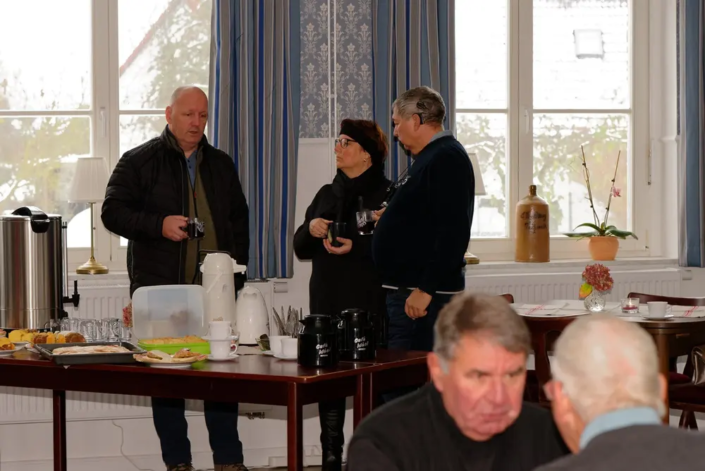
[{"x": 168, "y": 311}]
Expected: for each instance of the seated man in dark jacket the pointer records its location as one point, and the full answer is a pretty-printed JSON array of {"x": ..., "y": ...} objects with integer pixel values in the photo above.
[
  {"x": 608, "y": 398},
  {"x": 472, "y": 417},
  {"x": 153, "y": 192}
]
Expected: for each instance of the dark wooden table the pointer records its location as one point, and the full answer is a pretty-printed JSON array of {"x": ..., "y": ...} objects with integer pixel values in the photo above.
[
  {"x": 255, "y": 379},
  {"x": 674, "y": 337}
]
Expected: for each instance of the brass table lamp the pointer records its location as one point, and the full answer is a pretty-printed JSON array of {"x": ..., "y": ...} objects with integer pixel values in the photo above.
[{"x": 89, "y": 183}]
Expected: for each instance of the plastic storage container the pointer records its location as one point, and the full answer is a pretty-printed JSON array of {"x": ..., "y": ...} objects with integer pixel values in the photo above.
[{"x": 169, "y": 311}]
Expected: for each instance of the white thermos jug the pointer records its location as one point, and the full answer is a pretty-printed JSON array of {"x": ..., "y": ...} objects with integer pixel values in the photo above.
[{"x": 219, "y": 286}]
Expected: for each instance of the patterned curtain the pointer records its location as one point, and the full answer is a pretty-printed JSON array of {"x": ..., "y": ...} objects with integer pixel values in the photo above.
[
  {"x": 254, "y": 96},
  {"x": 691, "y": 119},
  {"x": 412, "y": 45}
]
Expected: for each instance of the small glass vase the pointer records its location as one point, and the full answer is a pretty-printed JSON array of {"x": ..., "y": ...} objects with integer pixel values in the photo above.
[{"x": 595, "y": 301}]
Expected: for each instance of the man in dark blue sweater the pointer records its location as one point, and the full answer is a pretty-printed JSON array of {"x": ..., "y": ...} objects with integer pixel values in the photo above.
[{"x": 422, "y": 236}]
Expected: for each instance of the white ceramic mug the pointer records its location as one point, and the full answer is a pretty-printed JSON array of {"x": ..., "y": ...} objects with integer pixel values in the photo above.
[
  {"x": 290, "y": 347},
  {"x": 658, "y": 308},
  {"x": 275, "y": 343},
  {"x": 220, "y": 329},
  {"x": 220, "y": 349}
]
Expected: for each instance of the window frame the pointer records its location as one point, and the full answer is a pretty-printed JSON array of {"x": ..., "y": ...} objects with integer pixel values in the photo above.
[{"x": 520, "y": 112}]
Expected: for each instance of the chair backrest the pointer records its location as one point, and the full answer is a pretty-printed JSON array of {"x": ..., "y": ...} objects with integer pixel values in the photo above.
[
  {"x": 544, "y": 333},
  {"x": 673, "y": 301},
  {"x": 645, "y": 298},
  {"x": 508, "y": 297}
]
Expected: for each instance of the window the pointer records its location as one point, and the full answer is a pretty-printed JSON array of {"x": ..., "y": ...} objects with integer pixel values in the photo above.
[
  {"x": 162, "y": 44},
  {"x": 93, "y": 78},
  {"x": 45, "y": 107},
  {"x": 552, "y": 76}
]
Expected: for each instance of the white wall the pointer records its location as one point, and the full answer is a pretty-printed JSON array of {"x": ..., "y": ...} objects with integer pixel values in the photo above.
[{"x": 316, "y": 168}]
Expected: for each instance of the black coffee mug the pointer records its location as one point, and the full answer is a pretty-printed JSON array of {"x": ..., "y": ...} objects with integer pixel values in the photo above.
[
  {"x": 195, "y": 229},
  {"x": 335, "y": 230}
]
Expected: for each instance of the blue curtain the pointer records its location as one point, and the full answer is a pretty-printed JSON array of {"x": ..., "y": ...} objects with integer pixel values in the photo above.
[
  {"x": 412, "y": 45},
  {"x": 691, "y": 119},
  {"x": 254, "y": 95}
]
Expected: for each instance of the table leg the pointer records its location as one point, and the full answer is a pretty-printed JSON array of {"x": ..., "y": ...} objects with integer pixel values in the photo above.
[
  {"x": 294, "y": 426},
  {"x": 663, "y": 366},
  {"x": 60, "y": 431},
  {"x": 363, "y": 400}
]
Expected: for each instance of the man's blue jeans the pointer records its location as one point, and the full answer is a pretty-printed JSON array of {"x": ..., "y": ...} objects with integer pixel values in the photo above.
[
  {"x": 404, "y": 333},
  {"x": 172, "y": 429}
]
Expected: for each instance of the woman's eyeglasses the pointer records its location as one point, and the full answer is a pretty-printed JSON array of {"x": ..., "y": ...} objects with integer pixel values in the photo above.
[{"x": 343, "y": 141}]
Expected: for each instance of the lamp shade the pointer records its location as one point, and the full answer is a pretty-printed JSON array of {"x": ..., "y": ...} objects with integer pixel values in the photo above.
[
  {"x": 89, "y": 181},
  {"x": 479, "y": 184}
]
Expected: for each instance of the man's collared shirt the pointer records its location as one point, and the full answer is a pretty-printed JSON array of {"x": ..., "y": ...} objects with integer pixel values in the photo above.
[
  {"x": 440, "y": 134},
  {"x": 191, "y": 162},
  {"x": 618, "y": 419}
]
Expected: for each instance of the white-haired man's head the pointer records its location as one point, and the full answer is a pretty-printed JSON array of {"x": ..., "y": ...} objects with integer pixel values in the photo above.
[{"x": 602, "y": 364}]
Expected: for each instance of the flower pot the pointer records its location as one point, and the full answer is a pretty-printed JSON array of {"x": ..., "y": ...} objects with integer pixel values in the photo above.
[{"x": 603, "y": 247}]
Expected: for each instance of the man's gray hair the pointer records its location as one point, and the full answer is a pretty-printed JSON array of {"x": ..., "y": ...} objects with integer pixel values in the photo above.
[
  {"x": 423, "y": 101},
  {"x": 177, "y": 93},
  {"x": 482, "y": 315},
  {"x": 606, "y": 364}
]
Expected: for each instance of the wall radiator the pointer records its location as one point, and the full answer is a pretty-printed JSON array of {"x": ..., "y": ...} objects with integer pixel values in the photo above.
[{"x": 21, "y": 405}]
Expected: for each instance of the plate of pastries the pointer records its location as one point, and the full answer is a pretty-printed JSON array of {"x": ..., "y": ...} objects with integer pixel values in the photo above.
[
  {"x": 32, "y": 337},
  {"x": 184, "y": 358},
  {"x": 7, "y": 347}
]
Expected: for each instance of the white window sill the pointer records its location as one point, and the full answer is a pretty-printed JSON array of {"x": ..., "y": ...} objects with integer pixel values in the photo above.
[
  {"x": 112, "y": 279},
  {"x": 119, "y": 278}
]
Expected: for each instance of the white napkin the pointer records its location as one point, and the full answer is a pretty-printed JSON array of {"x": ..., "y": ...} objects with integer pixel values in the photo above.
[
  {"x": 687, "y": 311},
  {"x": 537, "y": 309}
]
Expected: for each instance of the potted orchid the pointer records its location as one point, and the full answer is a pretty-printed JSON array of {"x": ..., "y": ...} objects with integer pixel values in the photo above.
[
  {"x": 597, "y": 281},
  {"x": 604, "y": 243}
]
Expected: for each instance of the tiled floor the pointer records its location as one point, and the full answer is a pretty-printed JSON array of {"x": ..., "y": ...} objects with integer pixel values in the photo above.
[
  {"x": 104, "y": 464},
  {"x": 315, "y": 468}
]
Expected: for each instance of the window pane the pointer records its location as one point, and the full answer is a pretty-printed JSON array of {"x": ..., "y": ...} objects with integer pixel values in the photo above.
[
  {"x": 486, "y": 135},
  {"x": 481, "y": 71},
  {"x": 163, "y": 44},
  {"x": 136, "y": 130},
  {"x": 45, "y": 55},
  {"x": 581, "y": 54},
  {"x": 37, "y": 163},
  {"x": 558, "y": 170}
]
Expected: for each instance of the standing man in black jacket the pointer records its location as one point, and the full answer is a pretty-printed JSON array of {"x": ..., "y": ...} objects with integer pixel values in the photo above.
[
  {"x": 153, "y": 192},
  {"x": 421, "y": 238}
]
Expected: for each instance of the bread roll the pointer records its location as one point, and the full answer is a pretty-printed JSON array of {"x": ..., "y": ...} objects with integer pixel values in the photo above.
[{"x": 75, "y": 337}]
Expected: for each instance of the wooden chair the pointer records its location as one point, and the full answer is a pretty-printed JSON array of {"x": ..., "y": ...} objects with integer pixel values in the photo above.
[
  {"x": 682, "y": 394},
  {"x": 532, "y": 387},
  {"x": 544, "y": 333}
]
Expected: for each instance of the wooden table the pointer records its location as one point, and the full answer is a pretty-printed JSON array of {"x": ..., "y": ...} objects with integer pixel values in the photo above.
[
  {"x": 255, "y": 379},
  {"x": 673, "y": 337}
]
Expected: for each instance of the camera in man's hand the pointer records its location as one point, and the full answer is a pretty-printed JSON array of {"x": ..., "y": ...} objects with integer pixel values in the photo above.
[{"x": 195, "y": 229}]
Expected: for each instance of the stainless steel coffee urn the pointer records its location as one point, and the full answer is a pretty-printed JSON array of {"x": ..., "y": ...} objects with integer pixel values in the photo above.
[{"x": 33, "y": 270}]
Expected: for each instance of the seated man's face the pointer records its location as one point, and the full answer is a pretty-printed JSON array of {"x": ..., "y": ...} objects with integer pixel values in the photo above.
[{"x": 483, "y": 386}]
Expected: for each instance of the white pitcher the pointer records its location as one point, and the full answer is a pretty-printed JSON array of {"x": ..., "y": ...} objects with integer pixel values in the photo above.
[{"x": 219, "y": 286}]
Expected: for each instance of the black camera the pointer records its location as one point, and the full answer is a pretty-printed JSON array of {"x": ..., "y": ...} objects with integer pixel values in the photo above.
[{"x": 195, "y": 229}]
